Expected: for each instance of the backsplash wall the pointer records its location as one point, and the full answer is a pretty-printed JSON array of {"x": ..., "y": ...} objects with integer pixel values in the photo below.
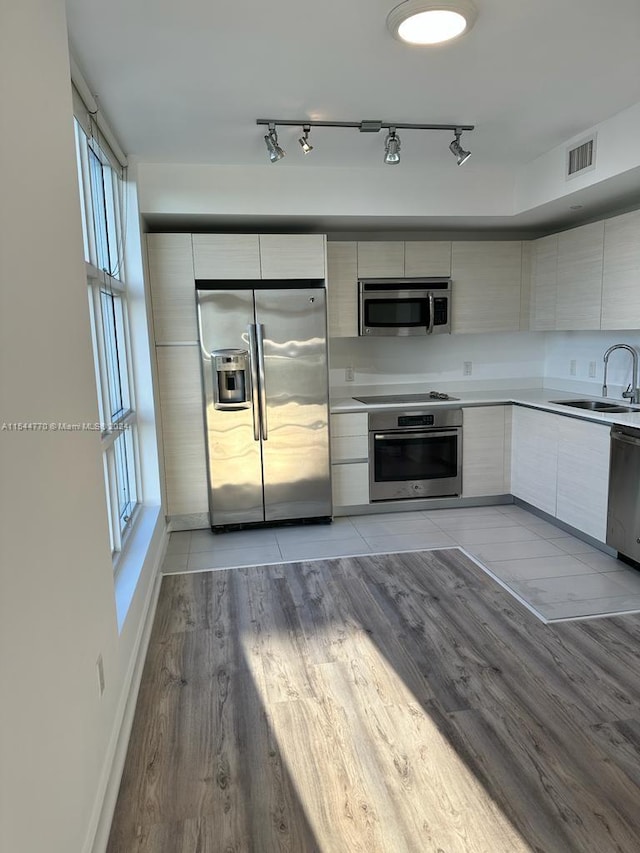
[
  {"x": 516, "y": 359},
  {"x": 439, "y": 360},
  {"x": 587, "y": 349}
]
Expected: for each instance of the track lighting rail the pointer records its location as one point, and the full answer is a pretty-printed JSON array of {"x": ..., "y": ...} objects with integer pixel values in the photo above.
[{"x": 364, "y": 126}]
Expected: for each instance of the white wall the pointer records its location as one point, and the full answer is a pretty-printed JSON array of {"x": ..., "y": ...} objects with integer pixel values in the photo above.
[
  {"x": 201, "y": 190},
  {"x": 617, "y": 154},
  {"x": 437, "y": 361},
  {"x": 57, "y": 605}
]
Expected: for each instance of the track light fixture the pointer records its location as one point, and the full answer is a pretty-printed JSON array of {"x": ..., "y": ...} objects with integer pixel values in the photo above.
[
  {"x": 304, "y": 140},
  {"x": 271, "y": 141},
  {"x": 392, "y": 148},
  {"x": 391, "y": 144},
  {"x": 457, "y": 150}
]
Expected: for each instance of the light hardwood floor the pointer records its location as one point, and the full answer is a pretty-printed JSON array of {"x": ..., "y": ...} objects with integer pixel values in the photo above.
[{"x": 379, "y": 703}]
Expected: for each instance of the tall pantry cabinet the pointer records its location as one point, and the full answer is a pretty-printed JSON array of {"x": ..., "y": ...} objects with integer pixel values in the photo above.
[{"x": 175, "y": 261}]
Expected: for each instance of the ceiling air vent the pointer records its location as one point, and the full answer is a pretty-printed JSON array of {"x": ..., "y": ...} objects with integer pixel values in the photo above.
[{"x": 582, "y": 157}]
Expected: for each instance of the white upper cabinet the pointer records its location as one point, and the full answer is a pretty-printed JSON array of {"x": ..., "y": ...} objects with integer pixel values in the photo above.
[
  {"x": 621, "y": 272},
  {"x": 487, "y": 278},
  {"x": 579, "y": 277},
  {"x": 544, "y": 283},
  {"x": 171, "y": 280},
  {"x": 427, "y": 258},
  {"x": 253, "y": 256},
  {"x": 342, "y": 289},
  {"x": 398, "y": 259},
  {"x": 381, "y": 259},
  {"x": 292, "y": 256},
  {"x": 220, "y": 256}
]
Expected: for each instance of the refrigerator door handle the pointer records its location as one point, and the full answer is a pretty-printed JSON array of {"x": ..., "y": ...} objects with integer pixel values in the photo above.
[
  {"x": 263, "y": 390},
  {"x": 255, "y": 407}
]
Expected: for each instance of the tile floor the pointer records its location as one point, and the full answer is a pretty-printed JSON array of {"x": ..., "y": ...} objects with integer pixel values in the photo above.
[{"x": 554, "y": 574}]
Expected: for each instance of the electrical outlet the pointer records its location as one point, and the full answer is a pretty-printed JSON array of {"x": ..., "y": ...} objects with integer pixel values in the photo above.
[
  {"x": 592, "y": 370},
  {"x": 572, "y": 367},
  {"x": 348, "y": 374},
  {"x": 467, "y": 368},
  {"x": 100, "y": 668}
]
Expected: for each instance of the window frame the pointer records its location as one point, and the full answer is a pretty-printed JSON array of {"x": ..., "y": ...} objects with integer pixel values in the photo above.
[{"x": 122, "y": 482}]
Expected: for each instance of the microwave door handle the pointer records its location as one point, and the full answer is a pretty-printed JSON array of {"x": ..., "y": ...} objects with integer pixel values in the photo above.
[
  {"x": 255, "y": 407},
  {"x": 431, "y": 307}
]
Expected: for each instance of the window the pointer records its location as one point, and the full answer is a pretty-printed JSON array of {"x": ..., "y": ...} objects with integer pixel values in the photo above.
[{"x": 102, "y": 201}]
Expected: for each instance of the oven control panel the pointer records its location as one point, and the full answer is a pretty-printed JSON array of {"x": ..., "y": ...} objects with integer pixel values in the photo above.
[
  {"x": 416, "y": 420},
  {"x": 437, "y": 417}
]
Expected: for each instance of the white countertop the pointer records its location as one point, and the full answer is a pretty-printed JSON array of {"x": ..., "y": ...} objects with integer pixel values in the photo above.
[{"x": 537, "y": 398}]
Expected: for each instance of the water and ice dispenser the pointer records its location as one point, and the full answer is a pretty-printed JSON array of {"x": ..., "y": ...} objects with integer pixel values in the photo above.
[{"x": 231, "y": 378}]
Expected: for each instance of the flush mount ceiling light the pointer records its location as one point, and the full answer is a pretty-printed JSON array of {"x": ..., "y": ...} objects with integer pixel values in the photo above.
[
  {"x": 457, "y": 150},
  {"x": 304, "y": 140},
  {"x": 423, "y": 22},
  {"x": 271, "y": 141},
  {"x": 392, "y": 148},
  {"x": 391, "y": 144}
]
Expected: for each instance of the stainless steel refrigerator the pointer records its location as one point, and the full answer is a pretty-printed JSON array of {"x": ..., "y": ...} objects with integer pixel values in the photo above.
[{"x": 265, "y": 387}]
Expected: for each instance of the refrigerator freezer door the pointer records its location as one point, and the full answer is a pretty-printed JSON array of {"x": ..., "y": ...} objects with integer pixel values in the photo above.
[
  {"x": 233, "y": 454},
  {"x": 296, "y": 451}
]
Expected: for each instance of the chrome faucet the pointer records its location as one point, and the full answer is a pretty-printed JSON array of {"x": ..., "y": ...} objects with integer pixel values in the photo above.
[{"x": 632, "y": 393}]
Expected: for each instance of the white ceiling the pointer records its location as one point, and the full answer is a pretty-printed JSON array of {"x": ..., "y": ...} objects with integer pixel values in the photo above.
[{"x": 184, "y": 82}]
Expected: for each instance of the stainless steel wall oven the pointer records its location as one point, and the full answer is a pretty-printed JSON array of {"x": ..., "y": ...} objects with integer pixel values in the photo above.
[{"x": 415, "y": 454}]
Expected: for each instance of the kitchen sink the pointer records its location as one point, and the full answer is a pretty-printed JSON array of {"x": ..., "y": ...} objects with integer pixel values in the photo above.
[{"x": 594, "y": 405}]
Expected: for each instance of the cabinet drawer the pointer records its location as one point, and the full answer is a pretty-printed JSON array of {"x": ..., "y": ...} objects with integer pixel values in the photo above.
[
  {"x": 350, "y": 423},
  {"x": 349, "y": 447}
]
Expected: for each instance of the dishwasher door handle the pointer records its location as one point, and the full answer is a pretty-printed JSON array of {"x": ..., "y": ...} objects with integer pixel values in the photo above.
[{"x": 625, "y": 439}]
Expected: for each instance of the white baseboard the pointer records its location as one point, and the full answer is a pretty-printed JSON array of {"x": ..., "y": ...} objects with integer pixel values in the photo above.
[{"x": 100, "y": 827}]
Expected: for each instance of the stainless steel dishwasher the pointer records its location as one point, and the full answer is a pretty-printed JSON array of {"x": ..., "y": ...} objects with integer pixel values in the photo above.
[{"x": 623, "y": 517}]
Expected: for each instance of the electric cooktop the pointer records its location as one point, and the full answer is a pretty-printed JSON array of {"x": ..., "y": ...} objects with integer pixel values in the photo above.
[{"x": 427, "y": 397}]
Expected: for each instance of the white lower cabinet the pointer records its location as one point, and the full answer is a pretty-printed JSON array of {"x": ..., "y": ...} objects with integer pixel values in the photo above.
[
  {"x": 534, "y": 457},
  {"x": 349, "y": 455},
  {"x": 185, "y": 464},
  {"x": 483, "y": 451},
  {"x": 350, "y": 484},
  {"x": 583, "y": 476},
  {"x": 561, "y": 465}
]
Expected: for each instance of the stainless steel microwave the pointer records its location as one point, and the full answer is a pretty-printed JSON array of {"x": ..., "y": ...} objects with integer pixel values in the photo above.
[{"x": 404, "y": 306}]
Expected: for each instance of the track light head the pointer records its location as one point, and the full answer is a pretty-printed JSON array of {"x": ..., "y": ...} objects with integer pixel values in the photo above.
[
  {"x": 304, "y": 140},
  {"x": 457, "y": 150},
  {"x": 392, "y": 148},
  {"x": 271, "y": 141}
]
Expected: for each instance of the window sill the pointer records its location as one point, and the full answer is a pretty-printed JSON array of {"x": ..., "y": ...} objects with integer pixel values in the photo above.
[{"x": 131, "y": 562}]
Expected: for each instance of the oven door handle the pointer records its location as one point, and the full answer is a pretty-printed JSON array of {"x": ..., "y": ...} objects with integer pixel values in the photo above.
[{"x": 435, "y": 433}]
